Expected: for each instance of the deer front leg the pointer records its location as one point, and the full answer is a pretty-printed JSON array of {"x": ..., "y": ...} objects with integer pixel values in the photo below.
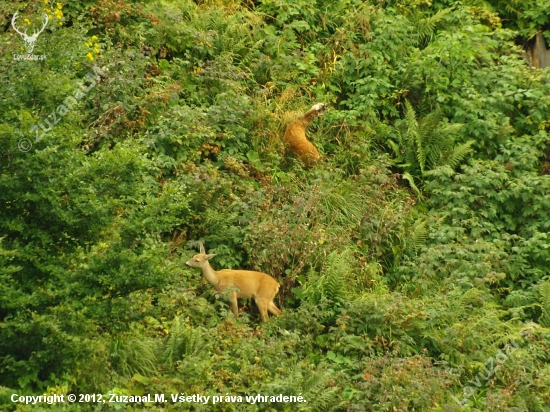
[{"x": 234, "y": 304}]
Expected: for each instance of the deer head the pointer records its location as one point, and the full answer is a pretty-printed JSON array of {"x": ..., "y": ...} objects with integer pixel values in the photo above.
[
  {"x": 200, "y": 261},
  {"x": 29, "y": 40},
  {"x": 319, "y": 108}
]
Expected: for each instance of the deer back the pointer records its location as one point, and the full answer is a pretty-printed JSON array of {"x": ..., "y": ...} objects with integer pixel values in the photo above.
[{"x": 248, "y": 284}]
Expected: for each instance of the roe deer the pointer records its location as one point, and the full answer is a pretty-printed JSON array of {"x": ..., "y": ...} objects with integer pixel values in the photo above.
[
  {"x": 295, "y": 135},
  {"x": 240, "y": 283}
]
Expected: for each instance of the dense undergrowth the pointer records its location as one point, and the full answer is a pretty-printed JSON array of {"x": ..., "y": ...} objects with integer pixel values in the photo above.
[{"x": 413, "y": 259}]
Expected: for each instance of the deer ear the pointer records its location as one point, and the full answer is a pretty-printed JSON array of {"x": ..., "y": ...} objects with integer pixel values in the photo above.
[
  {"x": 202, "y": 248},
  {"x": 210, "y": 256}
]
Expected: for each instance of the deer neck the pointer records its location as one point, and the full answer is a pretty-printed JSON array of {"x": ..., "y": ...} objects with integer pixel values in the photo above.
[
  {"x": 309, "y": 116},
  {"x": 210, "y": 275}
]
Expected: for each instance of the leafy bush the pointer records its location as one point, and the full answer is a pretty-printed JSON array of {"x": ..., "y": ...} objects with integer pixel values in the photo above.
[{"x": 413, "y": 253}]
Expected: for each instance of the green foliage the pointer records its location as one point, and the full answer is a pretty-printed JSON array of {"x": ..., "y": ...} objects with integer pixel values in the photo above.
[
  {"x": 132, "y": 356},
  {"x": 183, "y": 340},
  {"x": 489, "y": 203},
  {"x": 426, "y": 144},
  {"x": 312, "y": 384},
  {"x": 331, "y": 284},
  {"x": 545, "y": 303},
  {"x": 394, "y": 296},
  {"x": 404, "y": 394},
  {"x": 529, "y": 18}
]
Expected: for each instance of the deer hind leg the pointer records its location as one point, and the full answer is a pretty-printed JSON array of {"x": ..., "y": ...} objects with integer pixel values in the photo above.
[
  {"x": 262, "y": 307},
  {"x": 234, "y": 304},
  {"x": 274, "y": 309}
]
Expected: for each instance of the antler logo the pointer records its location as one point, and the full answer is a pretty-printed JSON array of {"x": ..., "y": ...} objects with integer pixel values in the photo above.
[{"x": 29, "y": 40}]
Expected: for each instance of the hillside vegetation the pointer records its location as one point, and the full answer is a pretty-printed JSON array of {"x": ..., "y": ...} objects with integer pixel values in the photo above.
[{"x": 413, "y": 258}]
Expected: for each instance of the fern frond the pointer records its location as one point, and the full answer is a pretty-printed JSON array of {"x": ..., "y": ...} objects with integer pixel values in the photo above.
[
  {"x": 420, "y": 152},
  {"x": 418, "y": 235},
  {"x": 434, "y": 155},
  {"x": 313, "y": 383},
  {"x": 410, "y": 117},
  {"x": 324, "y": 400},
  {"x": 459, "y": 153},
  {"x": 410, "y": 158},
  {"x": 427, "y": 143},
  {"x": 331, "y": 285},
  {"x": 396, "y": 150},
  {"x": 183, "y": 340},
  {"x": 426, "y": 26},
  {"x": 451, "y": 129},
  {"x": 545, "y": 303},
  {"x": 408, "y": 177},
  {"x": 430, "y": 122},
  {"x": 414, "y": 137}
]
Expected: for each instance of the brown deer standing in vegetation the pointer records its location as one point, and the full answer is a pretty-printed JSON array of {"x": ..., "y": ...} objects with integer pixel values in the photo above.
[
  {"x": 295, "y": 135},
  {"x": 240, "y": 284}
]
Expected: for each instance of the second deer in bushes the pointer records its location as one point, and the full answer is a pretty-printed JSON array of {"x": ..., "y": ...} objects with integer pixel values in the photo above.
[
  {"x": 240, "y": 284},
  {"x": 295, "y": 135}
]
